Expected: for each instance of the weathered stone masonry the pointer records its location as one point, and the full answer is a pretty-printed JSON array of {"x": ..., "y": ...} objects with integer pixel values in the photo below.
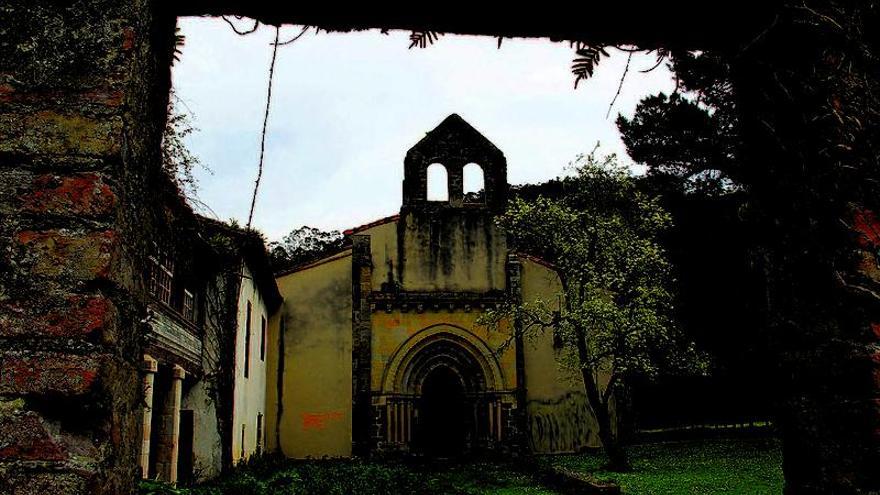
[
  {"x": 83, "y": 88},
  {"x": 361, "y": 327}
]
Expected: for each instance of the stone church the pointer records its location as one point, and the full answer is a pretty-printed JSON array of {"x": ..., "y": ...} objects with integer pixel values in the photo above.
[{"x": 377, "y": 348}]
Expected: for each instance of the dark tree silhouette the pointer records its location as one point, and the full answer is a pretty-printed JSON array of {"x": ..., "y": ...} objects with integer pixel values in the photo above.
[
  {"x": 303, "y": 245},
  {"x": 688, "y": 139}
]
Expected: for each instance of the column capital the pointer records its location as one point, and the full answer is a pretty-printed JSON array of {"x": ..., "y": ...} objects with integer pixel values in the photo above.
[
  {"x": 150, "y": 365},
  {"x": 178, "y": 373}
]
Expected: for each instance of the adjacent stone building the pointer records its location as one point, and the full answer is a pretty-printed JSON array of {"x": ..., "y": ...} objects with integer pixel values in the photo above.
[
  {"x": 377, "y": 348},
  {"x": 211, "y": 293},
  {"x": 258, "y": 300}
]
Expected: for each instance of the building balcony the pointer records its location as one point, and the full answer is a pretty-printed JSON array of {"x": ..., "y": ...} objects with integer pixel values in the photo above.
[{"x": 174, "y": 337}]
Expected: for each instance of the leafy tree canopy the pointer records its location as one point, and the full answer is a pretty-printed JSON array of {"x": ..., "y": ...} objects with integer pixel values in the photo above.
[{"x": 614, "y": 311}]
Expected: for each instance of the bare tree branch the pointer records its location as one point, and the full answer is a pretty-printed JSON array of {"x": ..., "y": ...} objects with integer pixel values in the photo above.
[
  {"x": 291, "y": 40},
  {"x": 620, "y": 86},
  {"x": 660, "y": 59}
]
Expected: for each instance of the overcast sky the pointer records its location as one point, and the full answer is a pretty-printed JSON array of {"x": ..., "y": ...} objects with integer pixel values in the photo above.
[{"x": 347, "y": 107}]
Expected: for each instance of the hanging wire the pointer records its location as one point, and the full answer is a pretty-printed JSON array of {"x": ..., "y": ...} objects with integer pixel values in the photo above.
[{"x": 265, "y": 124}]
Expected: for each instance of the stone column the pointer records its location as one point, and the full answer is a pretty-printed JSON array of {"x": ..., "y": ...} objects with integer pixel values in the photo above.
[
  {"x": 455, "y": 182},
  {"x": 166, "y": 464},
  {"x": 151, "y": 366}
]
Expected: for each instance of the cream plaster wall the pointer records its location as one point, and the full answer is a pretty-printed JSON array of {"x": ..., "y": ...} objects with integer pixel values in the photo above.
[
  {"x": 249, "y": 395},
  {"x": 207, "y": 449},
  {"x": 559, "y": 416},
  {"x": 317, "y": 380}
]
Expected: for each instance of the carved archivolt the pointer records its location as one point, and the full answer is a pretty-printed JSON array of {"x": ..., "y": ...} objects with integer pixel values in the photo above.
[{"x": 443, "y": 345}]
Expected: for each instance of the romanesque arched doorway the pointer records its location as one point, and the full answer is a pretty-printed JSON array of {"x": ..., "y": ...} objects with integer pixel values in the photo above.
[
  {"x": 443, "y": 395},
  {"x": 444, "y": 426}
]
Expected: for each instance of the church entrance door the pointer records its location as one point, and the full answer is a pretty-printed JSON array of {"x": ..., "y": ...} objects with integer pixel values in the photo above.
[{"x": 445, "y": 424}]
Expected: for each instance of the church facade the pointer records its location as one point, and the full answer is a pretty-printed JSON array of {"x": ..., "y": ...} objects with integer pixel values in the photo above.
[{"x": 377, "y": 348}]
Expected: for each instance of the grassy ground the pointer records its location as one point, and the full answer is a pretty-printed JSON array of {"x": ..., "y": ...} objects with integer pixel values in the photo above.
[
  {"x": 726, "y": 466},
  {"x": 343, "y": 477}
]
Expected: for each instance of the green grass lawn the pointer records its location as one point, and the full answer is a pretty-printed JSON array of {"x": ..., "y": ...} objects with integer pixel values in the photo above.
[
  {"x": 477, "y": 478},
  {"x": 728, "y": 466}
]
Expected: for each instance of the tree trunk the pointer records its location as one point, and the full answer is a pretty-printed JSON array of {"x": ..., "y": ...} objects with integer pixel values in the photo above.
[
  {"x": 807, "y": 95},
  {"x": 614, "y": 449}
]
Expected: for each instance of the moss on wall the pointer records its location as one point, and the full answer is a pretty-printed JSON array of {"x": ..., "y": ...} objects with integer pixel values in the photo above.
[
  {"x": 559, "y": 418},
  {"x": 450, "y": 249}
]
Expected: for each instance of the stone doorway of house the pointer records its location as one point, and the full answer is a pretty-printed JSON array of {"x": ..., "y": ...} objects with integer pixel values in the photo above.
[{"x": 445, "y": 429}]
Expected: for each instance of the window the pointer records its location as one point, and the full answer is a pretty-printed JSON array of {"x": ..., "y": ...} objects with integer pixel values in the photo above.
[
  {"x": 247, "y": 341},
  {"x": 473, "y": 182},
  {"x": 189, "y": 306},
  {"x": 161, "y": 276},
  {"x": 262, "y": 338},
  {"x": 259, "y": 433},
  {"x": 242, "y": 442},
  {"x": 438, "y": 183}
]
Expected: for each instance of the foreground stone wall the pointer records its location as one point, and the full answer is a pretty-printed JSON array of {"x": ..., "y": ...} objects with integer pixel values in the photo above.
[
  {"x": 807, "y": 92},
  {"x": 83, "y": 87}
]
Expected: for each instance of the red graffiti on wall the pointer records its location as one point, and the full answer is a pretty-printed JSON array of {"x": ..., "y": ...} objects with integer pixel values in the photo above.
[{"x": 318, "y": 421}]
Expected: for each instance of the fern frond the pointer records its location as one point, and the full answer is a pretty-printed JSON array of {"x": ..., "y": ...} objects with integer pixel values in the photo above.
[
  {"x": 422, "y": 39},
  {"x": 586, "y": 59}
]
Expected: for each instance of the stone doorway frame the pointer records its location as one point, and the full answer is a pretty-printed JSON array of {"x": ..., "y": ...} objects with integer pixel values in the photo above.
[{"x": 492, "y": 395}]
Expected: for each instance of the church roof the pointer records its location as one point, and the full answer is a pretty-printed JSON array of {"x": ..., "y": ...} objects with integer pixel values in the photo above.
[
  {"x": 535, "y": 259},
  {"x": 375, "y": 223},
  {"x": 453, "y": 133},
  {"x": 335, "y": 255}
]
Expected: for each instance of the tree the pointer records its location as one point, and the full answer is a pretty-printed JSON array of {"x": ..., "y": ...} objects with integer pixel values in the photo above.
[
  {"x": 616, "y": 300},
  {"x": 688, "y": 140},
  {"x": 691, "y": 145},
  {"x": 178, "y": 162},
  {"x": 303, "y": 245}
]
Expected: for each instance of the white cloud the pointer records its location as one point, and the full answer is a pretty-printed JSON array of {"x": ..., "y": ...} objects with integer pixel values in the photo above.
[{"x": 346, "y": 107}]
